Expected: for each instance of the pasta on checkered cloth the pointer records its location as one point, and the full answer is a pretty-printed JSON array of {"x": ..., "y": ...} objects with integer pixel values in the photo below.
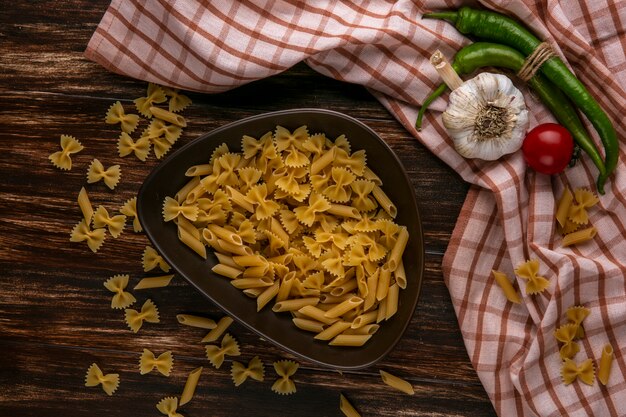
[{"x": 293, "y": 218}]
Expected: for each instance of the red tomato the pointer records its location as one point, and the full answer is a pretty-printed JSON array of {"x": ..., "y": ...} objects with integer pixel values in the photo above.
[{"x": 548, "y": 148}]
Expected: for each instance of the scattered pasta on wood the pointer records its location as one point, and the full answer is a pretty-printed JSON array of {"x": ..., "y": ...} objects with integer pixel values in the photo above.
[
  {"x": 117, "y": 284},
  {"x": 62, "y": 159},
  {"x": 95, "y": 377},
  {"x": 285, "y": 385},
  {"x": 163, "y": 364}
]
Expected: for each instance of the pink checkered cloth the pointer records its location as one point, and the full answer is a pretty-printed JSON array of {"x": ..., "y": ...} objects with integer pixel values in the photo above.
[{"x": 508, "y": 216}]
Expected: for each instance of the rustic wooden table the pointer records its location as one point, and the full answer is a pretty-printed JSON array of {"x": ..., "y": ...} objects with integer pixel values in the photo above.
[{"x": 55, "y": 318}]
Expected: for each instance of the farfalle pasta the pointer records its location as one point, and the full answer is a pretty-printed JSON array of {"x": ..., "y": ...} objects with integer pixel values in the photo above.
[
  {"x": 61, "y": 159},
  {"x": 572, "y": 371},
  {"x": 140, "y": 147},
  {"x": 129, "y": 209},
  {"x": 529, "y": 271},
  {"x": 566, "y": 335},
  {"x": 151, "y": 259},
  {"x": 298, "y": 221},
  {"x": 285, "y": 385},
  {"x": 576, "y": 315},
  {"x": 115, "y": 224},
  {"x": 572, "y": 216},
  {"x": 168, "y": 406},
  {"x": 110, "y": 176},
  {"x": 255, "y": 370},
  {"x": 163, "y": 363},
  {"x": 117, "y": 284},
  {"x": 155, "y": 94},
  {"x": 149, "y": 313},
  {"x": 116, "y": 115},
  {"x": 82, "y": 233},
  {"x": 177, "y": 100},
  {"x": 95, "y": 377},
  {"x": 229, "y": 347}
]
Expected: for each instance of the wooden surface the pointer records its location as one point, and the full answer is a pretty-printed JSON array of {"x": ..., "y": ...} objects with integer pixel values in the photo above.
[{"x": 55, "y": 318}]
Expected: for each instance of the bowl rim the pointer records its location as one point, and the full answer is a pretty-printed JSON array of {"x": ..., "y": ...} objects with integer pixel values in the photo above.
[{"x": 216, "y": 302}]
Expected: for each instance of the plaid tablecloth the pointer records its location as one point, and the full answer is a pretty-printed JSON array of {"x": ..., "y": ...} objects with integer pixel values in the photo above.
[{"x": 508, "y": 216}]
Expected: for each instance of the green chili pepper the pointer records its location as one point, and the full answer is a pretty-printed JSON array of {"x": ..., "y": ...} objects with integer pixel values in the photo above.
[
  {"x": 483, "y": 54},
  {"x": 495, "y": 27}
]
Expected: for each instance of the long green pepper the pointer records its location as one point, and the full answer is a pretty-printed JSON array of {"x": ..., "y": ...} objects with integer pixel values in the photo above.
[
  {"x": 495, "y": 27},
  {"x": 484, "y": 54}
]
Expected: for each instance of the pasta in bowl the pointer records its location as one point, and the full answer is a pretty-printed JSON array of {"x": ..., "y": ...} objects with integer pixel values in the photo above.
[{"x": 325, "y": 243}]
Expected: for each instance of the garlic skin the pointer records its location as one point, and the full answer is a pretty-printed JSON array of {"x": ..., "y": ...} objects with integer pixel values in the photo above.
[{"x": 486, "y": 117}]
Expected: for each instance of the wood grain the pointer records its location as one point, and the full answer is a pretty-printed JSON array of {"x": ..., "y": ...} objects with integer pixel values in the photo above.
[{"x": 55, "y": 315}]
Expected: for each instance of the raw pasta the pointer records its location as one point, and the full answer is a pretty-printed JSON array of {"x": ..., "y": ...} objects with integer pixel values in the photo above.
[
  {"x": 154, "y": 282},
  {"x": 177, "y": 101},
  {"x": 218, "y": 330},
  {"x": 116, "y": 115},
  {"x": 168, "y": 406},
  {"x": 155, "y": 94},
  {"x": 346, "y": 408},
  {"x": 579, "y": 236},
  {"x": 134, "y": 319},
  {"x": 130, "y": 210},
  {"x": 94, "y": 238},
  {"x": 110, "y": 176},
  {"x": 115, "y": 224},
  {"x": 61, "y": 159},
  {"x": 606, "y": 361},
  {"x": 506, "y": 286},
  {"x": 296, "y": 219},
  {"x": 397, "y": 383},
  {"x": 576, "y": 315},
  {"x": 151, "y": 259},
  {"x": 255, "y": 370},
  {"x": 116, "y": 284},
  {"x": 95, "y": 377},
  {"x": 529, "y": 270},
  {"x": 168, "y": 116},
  {"x": 140, "y": 147},
  {"x": 215, "y": 354},
  {"x": 163, "y": 364},
  {"x": 571, "y": 371},
  {"x": 284, "y": 385},
  {"x": 566, "y": 334},
  {"x": 85, "y": 205},
  {"x": 195, "y": 321},
  {"x": 563, "y": 206},
  {"x": 190, "y": 386}
]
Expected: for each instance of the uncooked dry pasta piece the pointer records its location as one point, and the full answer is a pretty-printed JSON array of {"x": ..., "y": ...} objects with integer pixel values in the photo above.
[
  {"x": 579, "y": 236},
  {"x": 155, "y": 94},
  {"x": 154, "y": 282},
  {"x": 110, "y": 176},
  {"x": 115, "y": 223},
  {"x": 356, "y": 161},
  {"x": 196, "y": 321},
  {"x": 506, "y": 286},
  {"x": 227, "y": 271},
  {"x": 400, "y": 275},
  {"x": 140, "y": 147},
  {"x": 161, "y": 147},
  {"x": 151, "y": 259},
  {"x": 397, "y": 383},
  {"x": 168, "y": 406},
  {"x": 215, "y": 354},
  {"x": 606, "y": 360},
  {"x": 199, "y": 170},
  {"x": 255, "y": 370},
  {"x": 172, "y": 210},
  {"x": 340, "y": 191},
  {"x": 384, "y": 278},
  {"x": 148, "y": 362},
  {"x": 95, "y": 377},
  {"x": 562, "y": 210},
  {"x": 168, "y": 116},
  {"x": 116, "y": 284},
  {"x": 385, "y": 201},
  {"x": 266, "y": 296},
  {"x": 571, "y": 371},
  {"x": 308, "y": 325},
  {"x": 219, "y": 329},
  {"x": 350, "y": 340},
  {"x": 177, "y": 101},
  {"x": 190, "y": 385},
  {"x": 346, "y": 408},
  {"x": 343, "y": 307},
  {"x": 317, "y": 314},
  {"x": 94, "y": 238},
  {"x": 149, "y": 313},
  {"x": 395, "y": 256},
  {"x": 566, "y": 334},
  {"x": 362, "y": 200},
  {"x": 576, "y": 315},
  {"x": 257, "y": 196},
  {"x": 369, "y": 175},
  {"x": 529, "y": 270},
  {"x": 392, "y": 301},
  {"x": 61, "y": 159},
  {"x": 130, "y": 210},
  {"x": 284, "y": 385},
  {"x": 85, "y": 205},
  {"x": 116, "y": 115},
  {"x": 158, "y": 128}
]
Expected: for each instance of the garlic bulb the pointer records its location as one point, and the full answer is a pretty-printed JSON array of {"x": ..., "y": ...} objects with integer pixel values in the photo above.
[{"x": 486, "y": 117}]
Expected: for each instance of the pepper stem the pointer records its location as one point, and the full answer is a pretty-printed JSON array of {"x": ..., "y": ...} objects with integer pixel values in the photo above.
[
  {"x": 449, "y": 15},
  {"x": 445, "y": 70}
]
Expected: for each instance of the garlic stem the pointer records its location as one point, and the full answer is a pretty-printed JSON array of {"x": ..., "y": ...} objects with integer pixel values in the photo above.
[{"x": 445, "y": 70}]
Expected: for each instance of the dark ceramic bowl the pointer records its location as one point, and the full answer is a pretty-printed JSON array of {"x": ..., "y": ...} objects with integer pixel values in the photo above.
[{"x": 168, "y": 178}]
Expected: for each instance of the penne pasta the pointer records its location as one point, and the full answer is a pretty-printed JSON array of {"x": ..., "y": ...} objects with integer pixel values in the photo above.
[
  {"x": 253, "y": 292},
  {"x": 562, "y": 210},
  {"x": 385, "y": 202},
  {"x": 168, "y": 116},
  {"x": 332, "y": 299},
  {"x": 154, "y": 282},
  {"x": 256, "y": 271},
  {"x": 363, "y": 319},
  {"x": 323, "y": 161},
  {"x": 384, "y": 277},
  {"x": 400, "y": 275},
  {"x": 343, "y": 307},
  {"x": 267, "y": 296},
  {"x": 350, "y": 340},
  {"x": 344, "y": 211},
  {"x": 294, "y": 304},
  {"x": 239, "y": 199},
  {"x": 317, "y": 314},
  {"x": 382, "y": 310},
  {"x": 285, "y": 286},
  {"x": 244, "y": 283},
  {"x": 392, "y": 301},
  {"x": 227, "y": 260},
  {"x": 250, "y": 260},
  {"x": 333, "y": 330},
  {"x": 225, "y": 234},
  {"x": 344, "y": 288},
  {"x": 227, "y": 271},
  {"x": 190, "y": 386},
  {"x": 367, "y": 329},
  {"x": 579, "y": 237},
  {"x": 372, "y": 288},
  {"x": 191, "y": 242},
  {"x": 308, "y": 325},
  {"x": 217, "y": 332},
  {"x": 199, "y": 170},
  {"x": 369, "y": 175},
  {"x": 606, "y": 360},
  {"x": 346, "y": 408},
  {"x": 85, "y": 205},
  {"x": 397, "y": 383},
  {"x": 181, "y": 195},
  {"x": 195, "y": 321},
  {"x": 506, "y": 286},
  {"x": 233, "y": 248},
  {"x": 183, "y": 223},
  {"x": 395, "y": 257}
]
